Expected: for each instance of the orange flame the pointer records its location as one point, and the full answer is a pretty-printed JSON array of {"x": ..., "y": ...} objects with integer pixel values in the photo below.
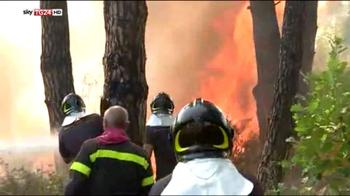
[{"x": 230, "y": 76}]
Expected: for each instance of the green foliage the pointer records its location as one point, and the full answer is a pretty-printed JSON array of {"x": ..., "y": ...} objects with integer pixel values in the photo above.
[
  {"x": 20, "y": 181},
  {"x": 322, "y": 146}
]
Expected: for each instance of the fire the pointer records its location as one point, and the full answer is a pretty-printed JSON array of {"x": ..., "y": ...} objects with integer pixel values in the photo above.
[
  {"x": 176, "y": 45},
  {"x": 230, "y": 76}
]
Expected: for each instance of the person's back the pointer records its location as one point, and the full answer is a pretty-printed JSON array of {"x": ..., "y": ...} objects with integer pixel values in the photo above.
[
  {"x": 117, "y": 169},
  {"x": 76, "y": 126},
  {"x": 202, "y": 140},
  {"x": 72, "y": 136},
  {"x": 110, "y": 164},
  {"x": 158, "y": 134},
  {"x": 207, "y": 176}
]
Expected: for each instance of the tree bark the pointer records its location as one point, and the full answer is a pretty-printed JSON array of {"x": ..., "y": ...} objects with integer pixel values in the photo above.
[
  {"x": 124, "y": 62},
  {"x": 56, "y": 66},
  {"x": 309, "y": 35},
  {"x": 281, "y": 124},
  {"x": 267, "y": 42}
]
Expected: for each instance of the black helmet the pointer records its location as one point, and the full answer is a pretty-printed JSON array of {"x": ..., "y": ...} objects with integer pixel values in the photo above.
[
  {"x": 201, "y": 130},
  {"x": 162, "y": 103},
  {"x": 72, "y": 103}
]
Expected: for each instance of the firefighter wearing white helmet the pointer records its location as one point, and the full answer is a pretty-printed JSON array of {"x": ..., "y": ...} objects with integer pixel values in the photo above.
[
  {"x": 76, "y": 127},
  {"x": 158, "y": 133},
  {"x": 202, "y": 140}
]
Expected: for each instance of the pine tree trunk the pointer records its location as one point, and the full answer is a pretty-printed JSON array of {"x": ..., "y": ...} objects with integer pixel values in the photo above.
[
  {"x": 56, "y": 66},
  {"x": 309, "y": 35},
  {"x": 124, "y": 62},
  {"x": 281, "y": 124},
  {"x": 267, "y": 44}
]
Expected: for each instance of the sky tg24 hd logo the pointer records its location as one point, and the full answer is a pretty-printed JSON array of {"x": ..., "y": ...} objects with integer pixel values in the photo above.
[{"x": 43, "y": 12}]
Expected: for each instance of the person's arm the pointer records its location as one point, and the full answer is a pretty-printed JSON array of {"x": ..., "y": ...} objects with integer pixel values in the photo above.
[
  {"x": 148, "y": 144},
  {"x": 160, "y": 185},
  {"x": 149, "y": 149},
  {"x": 63, "y": 151},
  {"x": 148, "y": 180},
  {"x": 76, "y": 185},
  {"x": 80, "y": 171}
]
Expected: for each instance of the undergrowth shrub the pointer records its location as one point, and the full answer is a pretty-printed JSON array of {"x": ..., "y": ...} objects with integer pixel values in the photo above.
[
  {"x": 22, "y": 181},
  {"x": 321, "y": 147}
]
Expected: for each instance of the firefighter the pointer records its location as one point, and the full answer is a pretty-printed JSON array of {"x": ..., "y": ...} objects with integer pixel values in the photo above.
[
  {"x": 158, "y": 134},
  {"x": 202, "y": 140},
  {"x": 76, "y": 127},
  {"x": 110, "y": 164}
]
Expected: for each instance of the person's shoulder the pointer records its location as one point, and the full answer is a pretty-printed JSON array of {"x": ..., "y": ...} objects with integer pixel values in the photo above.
[
  {"x": 95, "y": 115},
  {"x": 160, "y": 185},
  {"x": 90, "y": 144},
  {"x": 92, "y": 116},
  {"x": 137, "y": 149},
  {"x": 62, "y": 131},
  {"x": 94, "y": 121}
]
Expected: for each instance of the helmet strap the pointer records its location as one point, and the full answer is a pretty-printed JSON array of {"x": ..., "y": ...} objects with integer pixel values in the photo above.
[{"x": 202, "y": 155}]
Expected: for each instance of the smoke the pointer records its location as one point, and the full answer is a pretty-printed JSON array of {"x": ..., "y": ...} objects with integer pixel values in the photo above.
[
  {"x": 23, "y": 111},
  {"x": 20, "y": 86},
  {"x": 184, "y": 41},
  {"x": 179, "y": 42},
  {"x": 87, "y": 43},
  {"x": 333, "y": 19}
]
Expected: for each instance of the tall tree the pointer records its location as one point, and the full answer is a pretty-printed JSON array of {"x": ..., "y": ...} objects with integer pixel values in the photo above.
[
  {"x": 124, "y": 62},
  {"x": 267, "y": 43},
  {"x": 281, "y": 124},
  {"x": 56, "y": 65},
  {"x": 309, "y": 35}
]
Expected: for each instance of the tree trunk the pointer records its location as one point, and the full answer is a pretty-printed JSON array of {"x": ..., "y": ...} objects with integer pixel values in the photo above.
[
  {"x": 124, "y": 62},
  {"x": 56, "y": 66},
  {"x": 309, "y": 35},
  {"x": 281, "y": 124},
  {"x": 267, "y": 43}
]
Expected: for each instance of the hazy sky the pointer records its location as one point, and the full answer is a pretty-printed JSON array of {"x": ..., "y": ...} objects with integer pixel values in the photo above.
[{"x": 22, "y": 92}]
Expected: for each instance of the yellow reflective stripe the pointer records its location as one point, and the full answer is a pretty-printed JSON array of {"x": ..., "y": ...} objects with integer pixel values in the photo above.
[
  {"x": 93, "y": 156},
  {"x": 80, "y": 167},
  {"x": 147, "y": 181},
  {"x": 178, "y": 148},
  {"x": 123, "y": 156},
  {"x": 225, "y": 143}
]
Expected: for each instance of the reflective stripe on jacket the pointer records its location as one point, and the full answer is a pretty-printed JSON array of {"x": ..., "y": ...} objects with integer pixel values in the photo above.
[{"x": 110, "y": 169}]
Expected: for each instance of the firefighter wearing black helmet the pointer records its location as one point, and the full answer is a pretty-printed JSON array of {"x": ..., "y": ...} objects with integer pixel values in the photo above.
[
  {"x": 202, "y": 140},
  {"x": 76, "y": 127},
  {"x": 158, "y": 134}
]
